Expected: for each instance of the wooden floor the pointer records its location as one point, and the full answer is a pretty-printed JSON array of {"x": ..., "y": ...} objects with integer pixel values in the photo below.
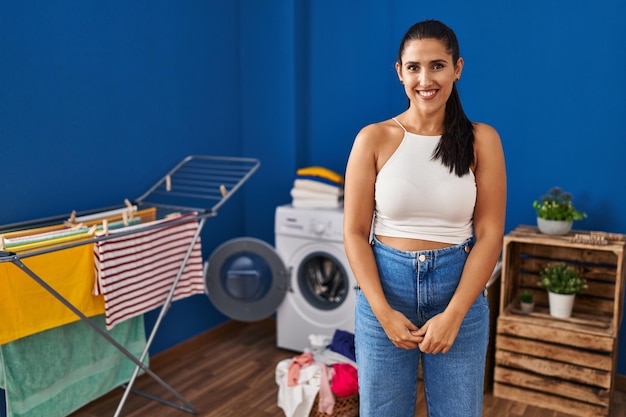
[{"x": 229, "y": 372}]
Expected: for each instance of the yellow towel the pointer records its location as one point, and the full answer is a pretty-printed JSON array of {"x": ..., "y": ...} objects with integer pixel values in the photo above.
[
  {"x": 27, "y": 308},
  {"x": 316, "y": 171}
]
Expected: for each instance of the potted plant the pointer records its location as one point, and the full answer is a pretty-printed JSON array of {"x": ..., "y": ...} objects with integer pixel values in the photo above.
[
  {"x": 526, "y": 302},
  {"x": 556, "y": 212},
  {"x": 563, "y": 282}
]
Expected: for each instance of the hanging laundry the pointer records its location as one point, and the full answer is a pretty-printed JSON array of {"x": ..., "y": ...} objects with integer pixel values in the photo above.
[
  {"x": 25, "y": 306},
  {"x": 40, "y": 240},
  {"x": 136, "y": 272},
  {"x": 57, "y": 371}
]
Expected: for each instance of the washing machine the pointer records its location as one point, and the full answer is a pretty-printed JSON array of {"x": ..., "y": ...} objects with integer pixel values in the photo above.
[{"x": 305, "y": 279}]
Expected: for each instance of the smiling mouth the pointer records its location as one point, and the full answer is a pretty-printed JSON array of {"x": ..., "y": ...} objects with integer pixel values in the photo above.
[{"x": 427, "y": 93}]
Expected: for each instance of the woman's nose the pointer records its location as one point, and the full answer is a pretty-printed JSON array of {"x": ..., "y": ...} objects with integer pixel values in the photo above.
[{"x": 423, "y": 78}]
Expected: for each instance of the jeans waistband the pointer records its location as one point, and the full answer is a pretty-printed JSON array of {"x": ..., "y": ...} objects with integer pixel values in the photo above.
[{"x": 464, "y": 246}]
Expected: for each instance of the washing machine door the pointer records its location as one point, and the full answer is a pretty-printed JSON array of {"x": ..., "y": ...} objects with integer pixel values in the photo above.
[{"x": 246, "y": 279}]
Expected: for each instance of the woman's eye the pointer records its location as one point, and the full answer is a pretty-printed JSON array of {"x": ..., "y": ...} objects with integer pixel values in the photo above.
[
  {"x": 438, "y": 66},
  {"x": 413, "y": 67}
]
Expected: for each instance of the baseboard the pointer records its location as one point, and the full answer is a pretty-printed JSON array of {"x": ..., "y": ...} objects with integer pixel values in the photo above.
[{"x": 620, "y": 382}]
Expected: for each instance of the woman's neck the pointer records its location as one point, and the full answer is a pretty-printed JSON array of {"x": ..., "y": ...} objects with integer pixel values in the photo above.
[{"x": 426, "y": 125}]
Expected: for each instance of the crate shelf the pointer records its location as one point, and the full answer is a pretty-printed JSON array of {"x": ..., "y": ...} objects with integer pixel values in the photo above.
[{"x": 567, "y": 365}]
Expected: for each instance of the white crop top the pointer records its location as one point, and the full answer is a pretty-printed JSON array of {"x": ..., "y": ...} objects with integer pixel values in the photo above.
[{"x": 419, "y": 198}]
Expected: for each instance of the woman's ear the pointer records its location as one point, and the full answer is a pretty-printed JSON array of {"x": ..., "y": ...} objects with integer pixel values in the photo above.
[
  {"x": 458, "y": 69},
  {"x": 399, "y": 72}
]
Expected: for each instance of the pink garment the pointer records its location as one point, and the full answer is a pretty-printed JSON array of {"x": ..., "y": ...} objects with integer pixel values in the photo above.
[
  {"x": 298, "y": 362},
  {"x": 326, "y": 402},
  {"x": 345, "y": 382}
]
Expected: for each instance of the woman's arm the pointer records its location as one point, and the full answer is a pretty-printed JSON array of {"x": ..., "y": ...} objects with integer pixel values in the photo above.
[
  {"x": 489, "y": 214},
  {"x": 360, "y": 180}
]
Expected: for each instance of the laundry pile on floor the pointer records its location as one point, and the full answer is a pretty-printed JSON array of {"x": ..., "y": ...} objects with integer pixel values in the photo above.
[
  {"x": 328, "y": 373},
  {"x": 317, "y": 187}
]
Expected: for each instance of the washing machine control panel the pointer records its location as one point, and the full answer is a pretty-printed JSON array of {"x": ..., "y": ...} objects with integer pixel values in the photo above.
[{"x": 326, "y": 224}]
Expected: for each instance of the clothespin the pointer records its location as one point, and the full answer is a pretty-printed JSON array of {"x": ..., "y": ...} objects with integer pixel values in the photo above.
[
  {"x": 2, "y": 243},
  {"x": 105, "y": 227},
  {"x": 69, "y": 222},
  {"x": 125, "y": 218},
  {"x": 93, "y": 229},
  {"x": 168, "y": 183},
  {"x": 223, "y": 190},
  {"x": 131, "y": 211}
]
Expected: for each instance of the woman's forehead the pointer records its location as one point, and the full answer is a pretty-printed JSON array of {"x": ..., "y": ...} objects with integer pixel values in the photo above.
[{"x": 425, "y": 50}]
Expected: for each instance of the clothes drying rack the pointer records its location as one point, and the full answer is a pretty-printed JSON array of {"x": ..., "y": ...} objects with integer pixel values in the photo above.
[{"x": 198, "y": 184}]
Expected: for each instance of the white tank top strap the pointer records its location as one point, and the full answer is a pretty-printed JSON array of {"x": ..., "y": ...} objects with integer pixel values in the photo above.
[{"x": 399, "y": 124}]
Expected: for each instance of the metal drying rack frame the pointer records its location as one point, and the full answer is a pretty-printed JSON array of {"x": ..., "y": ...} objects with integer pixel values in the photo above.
[{"x": 193, "y": 184}]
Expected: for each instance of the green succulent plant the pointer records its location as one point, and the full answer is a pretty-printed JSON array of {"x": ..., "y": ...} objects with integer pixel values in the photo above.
[
  {"x": 557, "y": 205},
  {"x": 526, "y": 297},
  {"x": 561, "y": 278}
]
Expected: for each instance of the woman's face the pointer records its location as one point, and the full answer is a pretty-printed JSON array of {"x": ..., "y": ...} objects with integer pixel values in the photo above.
[{"x": 428, "y": 73}]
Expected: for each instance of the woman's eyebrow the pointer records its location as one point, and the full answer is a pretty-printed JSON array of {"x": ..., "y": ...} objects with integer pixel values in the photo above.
[{"x": 434, "y": 61}]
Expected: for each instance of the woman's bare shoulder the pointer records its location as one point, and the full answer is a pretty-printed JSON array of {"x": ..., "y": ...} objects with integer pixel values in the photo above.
[
  {"x": 376, "y": 132},
  {"x": 488, "y": 146},
  {"x": 484, "y": 133}
]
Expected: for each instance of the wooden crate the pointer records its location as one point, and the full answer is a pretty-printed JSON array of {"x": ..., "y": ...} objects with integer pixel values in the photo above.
[{"x": 567, "y": 365}]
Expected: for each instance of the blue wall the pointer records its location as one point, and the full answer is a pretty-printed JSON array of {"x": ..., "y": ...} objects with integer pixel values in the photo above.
[
  {"x": 545, "y": 74},
  {"x": 99, "y": 99}
]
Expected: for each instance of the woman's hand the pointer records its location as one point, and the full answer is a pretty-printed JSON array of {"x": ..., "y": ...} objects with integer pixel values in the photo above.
[
  {"x": 438, "y": 333},
  {"x": 401, "y": 331}
]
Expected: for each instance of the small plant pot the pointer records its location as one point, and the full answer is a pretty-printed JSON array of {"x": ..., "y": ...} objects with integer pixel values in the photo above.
[
  {"x": 554, "y": 227},
  {"x": 527, "y": 308},
  {"x": 561, "y": 305}
]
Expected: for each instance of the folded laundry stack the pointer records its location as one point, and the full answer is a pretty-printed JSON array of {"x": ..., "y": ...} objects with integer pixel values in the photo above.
[{"x": 317, "y": 187}]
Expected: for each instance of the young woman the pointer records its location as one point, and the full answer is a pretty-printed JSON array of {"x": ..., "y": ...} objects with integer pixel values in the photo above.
[{"x": 434, "y": 184}]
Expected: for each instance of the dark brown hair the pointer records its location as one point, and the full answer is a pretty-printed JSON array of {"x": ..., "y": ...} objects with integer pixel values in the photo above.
[{"x": 456, "y": 147}]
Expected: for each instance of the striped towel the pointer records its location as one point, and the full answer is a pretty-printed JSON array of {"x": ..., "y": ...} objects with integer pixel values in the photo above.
[{"x": 135, "y": 273}]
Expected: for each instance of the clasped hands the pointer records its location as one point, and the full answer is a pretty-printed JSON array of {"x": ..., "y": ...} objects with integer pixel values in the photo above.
[{"x": 436, "y": 335}]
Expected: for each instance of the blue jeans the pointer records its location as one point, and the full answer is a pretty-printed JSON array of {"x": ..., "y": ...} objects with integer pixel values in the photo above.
[{"x": 420, "y": 285}]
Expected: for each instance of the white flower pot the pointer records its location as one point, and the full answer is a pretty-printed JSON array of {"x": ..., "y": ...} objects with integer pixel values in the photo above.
[
  {"x": 554, "y": 227},
  {"x": 527, "y": 308},
  {"x": 561, "y": 305}
]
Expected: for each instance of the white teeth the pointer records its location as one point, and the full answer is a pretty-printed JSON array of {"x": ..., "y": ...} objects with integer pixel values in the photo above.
[{"x": 428, "y": 93}]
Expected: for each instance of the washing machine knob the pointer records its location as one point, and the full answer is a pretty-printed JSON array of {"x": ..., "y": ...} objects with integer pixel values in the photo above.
[{"x": 319, "y": 228}]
